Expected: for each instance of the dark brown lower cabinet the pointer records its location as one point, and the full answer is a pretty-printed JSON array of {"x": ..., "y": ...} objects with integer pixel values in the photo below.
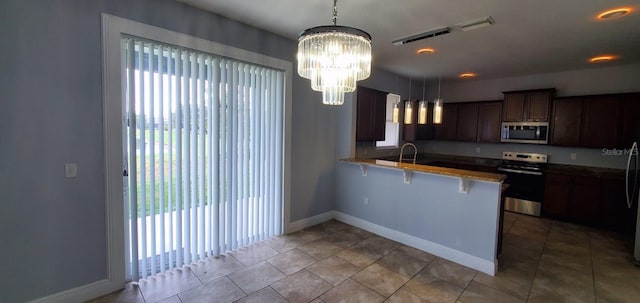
[
  {"x": 585, "y": 200},
  {"x": 615, "y": 214},
  {"x": 556, "y": 195},
  {"x": 590, "y": 200}
]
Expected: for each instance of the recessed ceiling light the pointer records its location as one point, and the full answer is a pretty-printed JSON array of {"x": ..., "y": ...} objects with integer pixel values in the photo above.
[
  {"x": 614, "y": 13},
  {"x": 467, "y": 75},
  {"x": 426, "y": 50},
  {"x": 602, "y": 58}
]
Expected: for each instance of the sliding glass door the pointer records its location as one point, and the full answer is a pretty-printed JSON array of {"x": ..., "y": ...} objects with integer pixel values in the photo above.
[{"x": 203, "y": 148}]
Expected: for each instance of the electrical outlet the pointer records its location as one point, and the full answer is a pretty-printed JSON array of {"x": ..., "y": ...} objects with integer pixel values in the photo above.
[
  {"x": 573, "y": 156},
  {"x": 477, "y": 149},
  {"x": 70, "y": 170},
  {"x": 365, "y": 201}
]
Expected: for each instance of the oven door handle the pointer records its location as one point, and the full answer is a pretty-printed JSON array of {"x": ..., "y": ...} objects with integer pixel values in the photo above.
[{"x": 517, "y": 171}]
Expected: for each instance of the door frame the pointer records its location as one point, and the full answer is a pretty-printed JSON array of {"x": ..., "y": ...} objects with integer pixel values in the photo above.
[{"x": 112, "y": 30}]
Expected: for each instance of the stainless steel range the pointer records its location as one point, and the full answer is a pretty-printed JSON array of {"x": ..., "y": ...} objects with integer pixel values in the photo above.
[{"x": 526, "y": 177}]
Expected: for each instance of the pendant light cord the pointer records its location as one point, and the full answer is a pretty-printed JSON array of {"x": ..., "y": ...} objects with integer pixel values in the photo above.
[
  {"x": 423, "y": 86},
  {"x": 335, "y": 12},
  {"x": 440, "y": 69}
]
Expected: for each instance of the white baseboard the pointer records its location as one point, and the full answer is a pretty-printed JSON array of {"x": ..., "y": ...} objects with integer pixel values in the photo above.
[
  {"x": 308, "y": 222},
  {"x": 82, "y": 293},
  {"x": 441, "y": 251}
]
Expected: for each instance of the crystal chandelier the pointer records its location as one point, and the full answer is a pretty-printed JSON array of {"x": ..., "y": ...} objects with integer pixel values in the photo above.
[{"x": 334, "y": 57}]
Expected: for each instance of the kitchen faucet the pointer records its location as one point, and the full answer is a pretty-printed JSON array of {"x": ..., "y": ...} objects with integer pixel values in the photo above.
[{"x": 415, "y": 151}]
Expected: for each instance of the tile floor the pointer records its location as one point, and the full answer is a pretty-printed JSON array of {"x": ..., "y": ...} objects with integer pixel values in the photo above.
[{"x": 542, "y": 261}]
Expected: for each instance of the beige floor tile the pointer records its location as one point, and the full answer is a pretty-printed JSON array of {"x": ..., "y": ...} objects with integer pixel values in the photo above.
[
  {"x": 283, "y": 243},
  {"x": 253, "y": 254},
  {"x": 302, "y": 287},
  {"x": 561, "y": 284},
  {"x": 333, "y": 226},
  {"x": 291, "y": 261},
  {"x": 319, "y": 249},
  {"x": 615, "y": 290},
  {"x": 256, "y": 277},
  {"x": 380, "y": 279},
  {"x": 510, "y": 280},
  {"x": 379, "y": 244},
  {"x": 343, "y": 238},
  {"x": 520, "y": 254},
  {"x": 307, "y": 235},
  {"x": 168, "y": 284},
  {"x": 363, "y": 234},
  {"x": 432, "y": 289},
  {"x": 533, "y": 243},
  {"x": 172, "y": 299},
  {"x": 479, "y": 293},
  {"x": 416, "y": 253},
  {"x": 351, "y": 291},
  {"x": 265, "y": 295},
  {"x": 221, "y": 290},
  {"x": 402, "y": 263},
  {"x": 616, "y": 269},
  {"x": 359, "y": 256},
  {"x": 215, "y": 267},
  {"x": 333, "y": 269},
  {"x": 580, "y": 262},
  {"x": 451, "y": 272},
  {"x": 403, "y": 296},
  {"x": 528, "y": 229},
  {"x": 130, "y": 294}
]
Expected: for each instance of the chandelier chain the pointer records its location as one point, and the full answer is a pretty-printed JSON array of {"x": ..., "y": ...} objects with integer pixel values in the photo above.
[{"x": 335, "y": 12}]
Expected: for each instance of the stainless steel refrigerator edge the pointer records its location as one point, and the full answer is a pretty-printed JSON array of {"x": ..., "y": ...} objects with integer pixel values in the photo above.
[{"x": 632, "y": 188}]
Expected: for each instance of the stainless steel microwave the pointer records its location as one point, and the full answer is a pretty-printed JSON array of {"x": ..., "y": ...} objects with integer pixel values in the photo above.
[{"x": 525, "y": 132}]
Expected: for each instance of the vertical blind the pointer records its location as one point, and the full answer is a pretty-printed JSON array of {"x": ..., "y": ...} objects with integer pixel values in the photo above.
[{"x": 204, "y": 154}]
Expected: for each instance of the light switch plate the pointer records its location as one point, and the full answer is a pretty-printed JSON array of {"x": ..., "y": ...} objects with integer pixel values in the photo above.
[{"x": 70, "y": 170}]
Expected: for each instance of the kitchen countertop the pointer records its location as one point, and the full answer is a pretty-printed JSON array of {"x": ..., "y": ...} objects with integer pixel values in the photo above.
[
  {"x": 453, "y": 172},
  {"x": 425, "y": 157},
  {"x": 597, "y": 172}
]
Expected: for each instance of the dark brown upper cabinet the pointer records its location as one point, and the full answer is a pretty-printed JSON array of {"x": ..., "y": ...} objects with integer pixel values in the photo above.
[
  {"x": 489, "y": 121},
  {"x": 371, "y": 114},
  {"x": 470, "y": 122},
  {"x": 447, "y": 129},
  {"x": 600, "y": 121},
  {"x": 629, "y": 119},
  {"x": 567, "y": 114},
  {"x": 467, "y": 122},
  {"x": 526, "y": 106}
]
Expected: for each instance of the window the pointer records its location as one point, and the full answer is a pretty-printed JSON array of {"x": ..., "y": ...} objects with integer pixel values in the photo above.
[
  {"x": 203, "y": 141},
  {"x": 391, "y": 129}
]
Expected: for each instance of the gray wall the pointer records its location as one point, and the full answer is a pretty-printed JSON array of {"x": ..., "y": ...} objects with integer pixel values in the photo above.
[{"x": 53, "y": 229}]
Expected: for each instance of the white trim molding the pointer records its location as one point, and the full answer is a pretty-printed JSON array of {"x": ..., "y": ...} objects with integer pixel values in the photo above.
[
  {"x": 82, "y": 293},
  {"x": 441, "y": 251},
  {"x": 310, "y": 221}
]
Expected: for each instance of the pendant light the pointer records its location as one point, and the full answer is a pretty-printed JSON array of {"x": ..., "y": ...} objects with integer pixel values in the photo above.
[
  {"x": 437, "y": 106},
  {"x": 396, "y": 106},
  {"x": 334, "y": 57},
  {"x": 408, "y": 107},
  {"x": 422, "y": 106}
]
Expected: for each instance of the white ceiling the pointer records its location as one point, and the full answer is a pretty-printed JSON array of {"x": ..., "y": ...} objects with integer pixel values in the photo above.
[{"x": 528, "y": 37}]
